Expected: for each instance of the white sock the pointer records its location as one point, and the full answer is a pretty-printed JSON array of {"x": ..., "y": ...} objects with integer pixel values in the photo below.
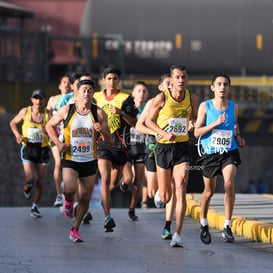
[
  {"x": 227, "y": 223},
  {"x": 33, "y": 205},
  {"x": 204, "y": 221}
]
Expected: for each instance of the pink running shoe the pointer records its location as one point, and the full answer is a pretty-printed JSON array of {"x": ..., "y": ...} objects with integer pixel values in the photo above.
[
  {"x": 75, "y": 236},
  {"x": 68, "y": 209}
]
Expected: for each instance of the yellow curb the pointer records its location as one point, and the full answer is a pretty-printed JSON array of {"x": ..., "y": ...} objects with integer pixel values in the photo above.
[
  {"x": 251, "y": 229},
  {"x": 268, "y": 195}
]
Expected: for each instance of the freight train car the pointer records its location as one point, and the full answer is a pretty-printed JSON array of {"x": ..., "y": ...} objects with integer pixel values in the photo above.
[{"x": 208, "y": 36}]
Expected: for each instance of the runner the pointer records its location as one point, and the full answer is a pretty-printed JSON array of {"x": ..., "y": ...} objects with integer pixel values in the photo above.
[
  {"x": 150, "y": 165},
  {"x": 53, "y": 106},
  {"x": 82, "y": 122},
  {"x": 169, "y": 116},
  {"x": 35, "y": 146},
  {"x": 218, "y": 128},
  {"x": 133, "y": 171},
  {"x": 121, "y": 112}
]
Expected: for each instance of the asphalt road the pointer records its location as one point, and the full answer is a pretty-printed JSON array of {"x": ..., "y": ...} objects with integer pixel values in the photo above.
[{"x": 42, "y": 246}]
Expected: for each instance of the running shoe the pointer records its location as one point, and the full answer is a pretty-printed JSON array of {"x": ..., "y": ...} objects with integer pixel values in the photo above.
[
  {"x": 68, "y": 209},
  {"x": 109, "y": 224},
  {"x": 34, "y": 212},
  {"x": 166, "y": 235},
  {"x": 157, "y": 201},
  {"x": 227, "y": 235},
  {"x": 123, "y": 187},
  {"x": 132, "y": 215},
  {"x": 87, "y": 218},
  {"x": 205, "y": 235},
  {"x": 59, "y": 201},
  {"x": 75, "y": 236},
  {"x": 144, "y": 205},
  {"x": 176, "y": 240},
  {"x": 28, "y": 191}
]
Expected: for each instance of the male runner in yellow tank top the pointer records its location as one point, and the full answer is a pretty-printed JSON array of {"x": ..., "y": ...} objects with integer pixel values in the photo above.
[
  {"x": 171, "y": 116},
  {"x": 35, "y": 146}
]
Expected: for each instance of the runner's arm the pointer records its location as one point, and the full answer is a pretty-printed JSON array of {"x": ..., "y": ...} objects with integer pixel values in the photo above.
[
  {"x": 102, "y": 126},
  {"x": 51, "y": 127},
  {"x": 241, "y": 142},
  {"x": 153, "y": 113},
  {"x": 140, "y": 125},
  {"x": 15, "y": 121},
  {"x": 201, "y": 130}
]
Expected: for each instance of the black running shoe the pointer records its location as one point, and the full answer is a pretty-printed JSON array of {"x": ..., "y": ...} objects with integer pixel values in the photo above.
[
  {"x": 28, "y": 191},
  {"x": 87, "y": 218},
  {"x": 132, "y": 215},
  {"x": 227, "y": 235},
  {"x": 109, "y": 224},
  {"x": 34, "y": 212},
  {"x": 123, "y": 187},
  {"x": 205, "y": 235}
]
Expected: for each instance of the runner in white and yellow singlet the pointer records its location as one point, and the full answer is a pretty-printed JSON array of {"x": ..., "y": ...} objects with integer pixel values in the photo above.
[{"x": 82, "y": 121}]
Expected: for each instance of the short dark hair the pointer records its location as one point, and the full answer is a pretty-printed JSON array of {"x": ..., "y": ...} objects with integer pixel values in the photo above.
[
  {"x": 163, "y": 77},
  {"x": 64, "y": 76},
  {"x": 140, "y": 83},
  {"x": 83, "y": 82},
  {"x": 214, "y": 77},
  {"x": 74, "y": 76},
  {"x": 179, "y": 67},
  {"x": 86, "y": 74},
  {"x": 111, "y": 69}
]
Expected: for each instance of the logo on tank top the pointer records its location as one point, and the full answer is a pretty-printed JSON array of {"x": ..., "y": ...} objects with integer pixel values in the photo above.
[{"x": 208, "y": 149}]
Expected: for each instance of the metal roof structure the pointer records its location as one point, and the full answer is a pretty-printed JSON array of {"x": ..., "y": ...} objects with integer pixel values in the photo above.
[{"x": 11, "y": 10}]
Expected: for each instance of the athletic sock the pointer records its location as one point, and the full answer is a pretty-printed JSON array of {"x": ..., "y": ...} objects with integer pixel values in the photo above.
[
  {"x": 168, "y": 225},
  {"x": 227, "y": 223},
  {"x": 204, "y": 221}
]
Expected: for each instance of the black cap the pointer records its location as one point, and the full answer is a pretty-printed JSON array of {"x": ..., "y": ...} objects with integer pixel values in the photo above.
[{"x": 38, "y": 93}]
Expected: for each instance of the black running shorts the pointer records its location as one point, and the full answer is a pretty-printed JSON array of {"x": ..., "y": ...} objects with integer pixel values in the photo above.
[
  {"x": 35, "y": 154},
  {"x": 169, "y": 155},
  {"x": 213, "y": 164},
  {"x": 117, "y": 157},
  {"x": 136, "y": 153},
  {"x": 150, "y": 162},
  {"x": 84, "y": 169}
]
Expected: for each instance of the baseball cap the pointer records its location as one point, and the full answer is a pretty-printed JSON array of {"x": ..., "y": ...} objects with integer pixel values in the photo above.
[{"x": 38, "y": 93}]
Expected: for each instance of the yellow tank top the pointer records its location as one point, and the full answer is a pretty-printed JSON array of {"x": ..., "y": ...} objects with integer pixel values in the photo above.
[
  {"x": 33, "y": 132},
  {"x": 174, "y": 117},
  {"x": 104, "y": 102}
]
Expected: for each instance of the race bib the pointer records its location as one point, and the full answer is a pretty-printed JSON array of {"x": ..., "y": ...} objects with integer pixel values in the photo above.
[
  {"x": 81, "y": 146},
  {"x": 178, "y": 126},
  {"x": 136, "y": 137},
  {"x": 35, "y": 135},
  {"x": 221, "y": 138}
]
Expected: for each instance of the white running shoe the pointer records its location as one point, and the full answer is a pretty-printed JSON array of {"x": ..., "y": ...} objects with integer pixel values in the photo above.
[
  {"x": 157, "y": 201},
  {"x": 176, "y": 240},
  {"x": 59, "y": 201}
]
